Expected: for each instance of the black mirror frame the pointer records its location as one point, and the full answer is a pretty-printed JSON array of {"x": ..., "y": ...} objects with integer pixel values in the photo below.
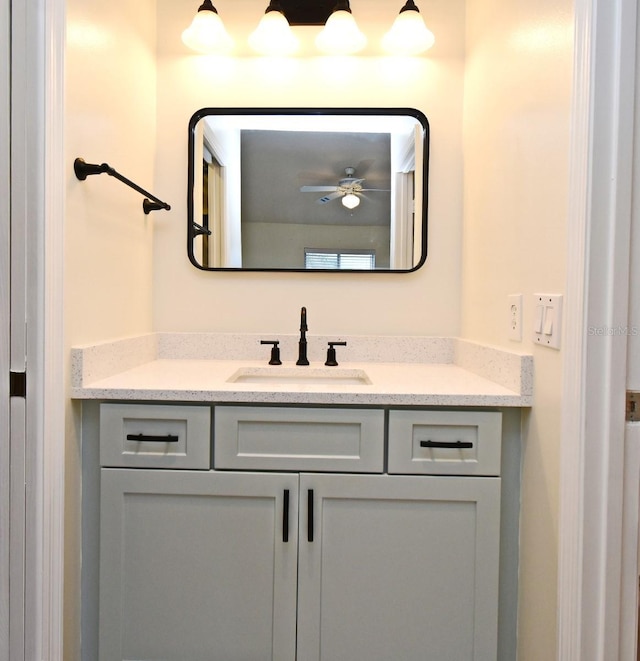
[{"x": 192, "y": 231}]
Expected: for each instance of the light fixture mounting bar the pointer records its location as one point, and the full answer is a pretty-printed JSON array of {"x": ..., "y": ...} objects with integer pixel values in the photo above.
[{"x": 307, "y": 12}]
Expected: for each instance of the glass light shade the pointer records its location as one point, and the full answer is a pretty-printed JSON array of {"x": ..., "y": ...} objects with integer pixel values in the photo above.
[
  {"x": 341, "y": 35},
  {"x": 273, "y": 36},
  {"x": 350, "y": 201},
  {"x": 408, "y": 35},
  {"x": 207, "y": 34}
]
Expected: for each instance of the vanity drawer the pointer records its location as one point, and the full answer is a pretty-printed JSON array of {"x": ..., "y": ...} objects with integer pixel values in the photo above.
[
  {"x": 153, "y": 436},
  {"x": 256, "y": 438},
  {"x": 445, "y": 442}
]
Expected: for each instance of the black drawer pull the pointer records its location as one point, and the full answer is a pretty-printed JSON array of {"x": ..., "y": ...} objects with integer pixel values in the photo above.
[
  {"x": 455, "y": 445},
  {"x": 143, "y": 438},
  {"x": 310, "y": 515},
  {"x": 285, "y": 516}
]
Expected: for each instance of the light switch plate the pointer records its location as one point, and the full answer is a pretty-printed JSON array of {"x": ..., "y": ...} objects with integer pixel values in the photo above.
[
  {"x": 547, "y": 319},
  {"x": 514, "y": 321}
]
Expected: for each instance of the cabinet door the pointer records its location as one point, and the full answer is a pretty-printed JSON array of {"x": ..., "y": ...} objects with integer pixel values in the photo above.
[
  {"x": 398, "y": 568},
  {"x": 197, "y": 566}
]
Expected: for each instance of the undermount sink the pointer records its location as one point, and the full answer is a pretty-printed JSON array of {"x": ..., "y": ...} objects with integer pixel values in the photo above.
[{"x": 300, "y": 376}]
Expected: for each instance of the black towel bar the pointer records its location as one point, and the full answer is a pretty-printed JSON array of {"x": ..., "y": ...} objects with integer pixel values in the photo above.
[{"x": 84, "y": 170}]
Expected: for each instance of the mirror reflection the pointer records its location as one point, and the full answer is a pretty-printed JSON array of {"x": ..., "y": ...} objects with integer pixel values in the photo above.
[{"x": 308, "y": 189}]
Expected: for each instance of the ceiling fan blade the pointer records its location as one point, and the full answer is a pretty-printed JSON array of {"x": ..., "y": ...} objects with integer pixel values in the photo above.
[
  {"x": 327, "y": 198},
  {"x": 375, "y": 190},
  {"x": 318, "y": 189}
]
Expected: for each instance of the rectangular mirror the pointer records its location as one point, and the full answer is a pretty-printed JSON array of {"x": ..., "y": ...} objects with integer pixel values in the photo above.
[{"x": 301, "y": 189}]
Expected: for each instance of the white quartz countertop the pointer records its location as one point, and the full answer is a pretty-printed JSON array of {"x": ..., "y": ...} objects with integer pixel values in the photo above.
[{"x": 469, "y": 375}]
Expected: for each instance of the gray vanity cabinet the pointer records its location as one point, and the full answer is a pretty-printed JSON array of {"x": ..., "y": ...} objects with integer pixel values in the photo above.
[
  {"x": 305, "y": 566},
  {"x": 193, "y": 566},
  {"x": 398, "y": 568}
]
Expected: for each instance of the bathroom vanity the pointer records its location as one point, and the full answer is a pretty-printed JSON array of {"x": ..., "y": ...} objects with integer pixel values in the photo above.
[{"x": 311, "y": 519}]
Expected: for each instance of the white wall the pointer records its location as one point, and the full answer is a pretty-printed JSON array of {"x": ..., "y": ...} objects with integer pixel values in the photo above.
[
  {"x": 283, "y": 244},
  {"x": 517, "y": 112},
  {"x": 426, "y": 302},
  {"x": 110, "y": 117}
]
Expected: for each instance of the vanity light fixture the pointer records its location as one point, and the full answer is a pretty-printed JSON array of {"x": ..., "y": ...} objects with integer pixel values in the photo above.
[
  {"x": 207, "y": 33},
  {"x": 350, "y": 200},
  {"x": 408, "y": 35},
  {"x": 274, "y": 36},
  {"x": 341, "y": 34}
]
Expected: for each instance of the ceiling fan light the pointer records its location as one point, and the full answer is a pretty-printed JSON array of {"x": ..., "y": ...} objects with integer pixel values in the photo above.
[
  {"x": 350, "y": 201},
  {"x": 408, "y": 35},
  {"x": 207, "y": 33},
  {"x": 273, "y": 36},
  {"x": 341, "y": 35}
]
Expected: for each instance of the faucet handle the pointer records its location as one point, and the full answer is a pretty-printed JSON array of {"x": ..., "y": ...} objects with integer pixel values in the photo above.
[
  {"x": 331, "y": 353},
  {"x": 275, "y": 351}
]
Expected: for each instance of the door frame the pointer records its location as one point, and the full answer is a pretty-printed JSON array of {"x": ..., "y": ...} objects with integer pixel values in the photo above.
[
  {"x": 590, "y": 571},
  {"x": 56, "y": 170},
  {"x": 630, "y": 555},
  {"x": 4, "y": 324},
  {"x": 41, "y": 179}
]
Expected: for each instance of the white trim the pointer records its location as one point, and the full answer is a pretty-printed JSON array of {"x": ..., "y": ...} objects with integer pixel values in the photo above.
[
  {"x": 401, "y": 243},
  {"x": 594, "y": 367},
  {"x": 39, "y": 190},
  {"x": 571, "y": 483},
  {"x": 629, "y": 603},
  {"x": 53, "y": 377},
  {"x": 5, "y": 454},
  {"x": 27, "y": 247}
]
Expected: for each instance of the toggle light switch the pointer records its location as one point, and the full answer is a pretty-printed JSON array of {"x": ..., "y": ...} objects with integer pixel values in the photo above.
[
  {"x": 547, "y": 320},
  {"x": 549, "y": 313}
]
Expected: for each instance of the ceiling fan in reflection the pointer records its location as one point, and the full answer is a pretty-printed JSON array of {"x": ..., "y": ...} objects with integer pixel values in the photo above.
[{"x": 347, "y": 189}]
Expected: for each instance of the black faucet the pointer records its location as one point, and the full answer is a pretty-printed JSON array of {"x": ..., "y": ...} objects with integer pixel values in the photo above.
[{"x": 302, "y": 344}]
